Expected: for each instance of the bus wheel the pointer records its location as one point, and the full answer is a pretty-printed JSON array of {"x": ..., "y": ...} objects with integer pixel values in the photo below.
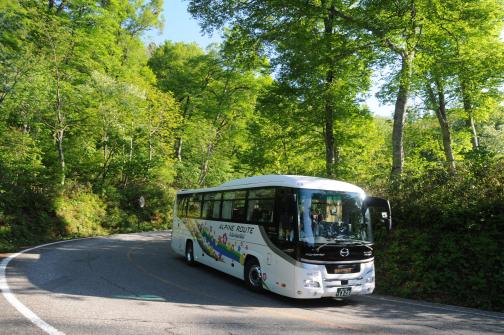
[
  {"x": 253, "y": 275},
  {"x": 189, "y": 253}
]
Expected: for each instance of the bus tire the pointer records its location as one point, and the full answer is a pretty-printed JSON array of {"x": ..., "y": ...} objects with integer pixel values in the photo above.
[
  {"x": 253, "y": 275},
  {"x": 189, "y": 253}
]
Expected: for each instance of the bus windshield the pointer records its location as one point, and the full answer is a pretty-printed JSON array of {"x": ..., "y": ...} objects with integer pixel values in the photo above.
[{"x": 329, "y": 217}]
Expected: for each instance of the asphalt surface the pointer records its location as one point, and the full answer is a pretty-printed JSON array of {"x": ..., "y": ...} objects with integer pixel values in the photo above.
[{"x": 135, "y": 284}]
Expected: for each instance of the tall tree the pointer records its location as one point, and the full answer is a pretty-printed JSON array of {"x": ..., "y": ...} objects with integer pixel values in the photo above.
[
  {"x": 182, "y": 69},
  {"x": 309, "y": 49},
  {"x": 437, "y": 102},
  {"x": 215, "y": 99},
  {"x": 435, "y": 82},
  {"x": 459, "y": 71},
  {"x": 480, "y": 70},
  {"x": 399, "y": 26}
]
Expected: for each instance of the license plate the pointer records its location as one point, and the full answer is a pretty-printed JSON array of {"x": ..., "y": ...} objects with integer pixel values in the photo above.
[{"x": 343, "y": 292}]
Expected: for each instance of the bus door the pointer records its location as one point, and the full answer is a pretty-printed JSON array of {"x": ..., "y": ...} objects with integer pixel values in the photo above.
[{"x": 286, "y": 221}]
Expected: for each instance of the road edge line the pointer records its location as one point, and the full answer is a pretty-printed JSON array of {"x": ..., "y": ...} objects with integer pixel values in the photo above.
[{"x": 18, "y": 305}]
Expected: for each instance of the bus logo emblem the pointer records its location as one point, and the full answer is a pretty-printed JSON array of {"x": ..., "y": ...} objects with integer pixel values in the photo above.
[{"x": 344, "y": 252}]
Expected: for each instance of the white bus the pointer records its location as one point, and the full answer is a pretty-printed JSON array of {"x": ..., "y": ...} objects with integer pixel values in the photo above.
[{"x": 301, "y": 237}]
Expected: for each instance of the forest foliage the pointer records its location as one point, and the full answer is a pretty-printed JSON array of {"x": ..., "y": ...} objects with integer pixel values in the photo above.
[{"x": 98, "y": 130}]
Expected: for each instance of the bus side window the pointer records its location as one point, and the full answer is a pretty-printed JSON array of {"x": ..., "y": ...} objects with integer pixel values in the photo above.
[
  {"x": 260, "y": 207},
  {"x": 211, "y": 205},
  {"x": 179, "y": 206},
  {"x": 182, "y": 206},
  {"x": 238, "y": 210},
  {"x": 233, "y": 206},
  {"x": 207, "y": 209},
  {"x": 216, "y": 212},
  {"x": 194, "y": 207},
  {"x": 260, "y": 211}
]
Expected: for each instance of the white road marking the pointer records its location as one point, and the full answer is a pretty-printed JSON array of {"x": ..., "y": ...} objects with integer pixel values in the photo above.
[{"x": 11, "y": 298}]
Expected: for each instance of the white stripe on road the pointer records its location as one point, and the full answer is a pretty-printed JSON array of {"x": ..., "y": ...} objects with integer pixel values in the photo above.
[{"x": 11, "y": 298}]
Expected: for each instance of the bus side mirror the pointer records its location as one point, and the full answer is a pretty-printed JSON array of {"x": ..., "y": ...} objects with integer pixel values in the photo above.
[{"x": 383, "y": 207}]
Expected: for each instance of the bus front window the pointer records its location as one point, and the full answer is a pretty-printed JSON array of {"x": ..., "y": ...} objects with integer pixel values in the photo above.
[{"x": 328, "y": 217}]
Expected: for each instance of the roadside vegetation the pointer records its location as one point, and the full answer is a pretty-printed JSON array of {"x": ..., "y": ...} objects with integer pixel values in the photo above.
[{"x": 99, "y": 130}]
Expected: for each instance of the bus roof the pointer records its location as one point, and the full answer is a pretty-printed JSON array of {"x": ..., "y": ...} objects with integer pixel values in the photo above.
[{"x": 284, "y": 181}]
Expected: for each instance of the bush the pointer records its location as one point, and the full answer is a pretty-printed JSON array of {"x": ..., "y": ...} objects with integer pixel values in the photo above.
[
  {"x": 449, "y": 231},
  {"x": 81, "y": 211}
]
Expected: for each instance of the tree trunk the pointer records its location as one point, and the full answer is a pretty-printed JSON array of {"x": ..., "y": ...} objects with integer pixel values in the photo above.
[
  {"x": 204, "y": 165},
  {"x": 150, "y": 147},
  {"x": 329, "y": 106},
  {"x": 178, "y": 140},
  {"x": 131, "y": 149},
  {"x": 151, "y": 133},
  {"x": 329, "y": 130},
  {"x": 59, "y": 138},
  {"x": 178, "y": 148},
  {"x": 220, "y": 127},
  {"x": 106, "y": 165},
  {"x": 466, "y": 99},
  {"x": 60, "y": 127},
  {"x": 445, "y": 128},
  {"x": 400, "y": 115},
  {"x": 474, "y": 135},
  {"x": 105, "y": 150},
  {"x": 286, "y": 156},
  {"x": 105, "y": 141}
]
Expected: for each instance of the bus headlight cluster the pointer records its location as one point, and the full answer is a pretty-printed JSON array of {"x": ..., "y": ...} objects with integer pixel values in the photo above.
[
  {"x": 369, "y": 276},
  {"x": 311, "y": 283}
]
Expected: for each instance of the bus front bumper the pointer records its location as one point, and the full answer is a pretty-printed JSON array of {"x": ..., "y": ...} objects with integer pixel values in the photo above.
[{"x": 313, "y": 281}]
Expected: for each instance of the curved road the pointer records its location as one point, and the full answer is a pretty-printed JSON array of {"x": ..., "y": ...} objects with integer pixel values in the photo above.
[{"x": 135, "y": 284}]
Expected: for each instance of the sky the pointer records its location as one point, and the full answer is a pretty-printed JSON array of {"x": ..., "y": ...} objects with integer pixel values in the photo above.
[{"x": 181, "y": 27}]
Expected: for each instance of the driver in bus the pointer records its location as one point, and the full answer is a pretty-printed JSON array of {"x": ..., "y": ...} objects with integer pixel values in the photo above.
[
  {"x": 316, "y": 219},
  {"x": 286, "y": 226}
]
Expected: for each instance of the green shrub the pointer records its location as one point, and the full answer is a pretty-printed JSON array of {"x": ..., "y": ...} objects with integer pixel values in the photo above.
[
  {"x": 446, "y": 245},
  {"x": 81, "y": 211}
]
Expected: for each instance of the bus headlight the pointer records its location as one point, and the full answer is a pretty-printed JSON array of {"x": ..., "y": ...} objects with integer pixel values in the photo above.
[
  {"x": 369, "y": 276},
  {"x": 311, "y": 283}
]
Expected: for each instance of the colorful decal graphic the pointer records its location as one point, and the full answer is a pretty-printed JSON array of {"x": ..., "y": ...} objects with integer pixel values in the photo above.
[{"x": 217, "y": 247}]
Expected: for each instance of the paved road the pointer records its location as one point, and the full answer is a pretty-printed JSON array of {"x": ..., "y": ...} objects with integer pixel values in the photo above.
[{"x": 135, "y": 284}]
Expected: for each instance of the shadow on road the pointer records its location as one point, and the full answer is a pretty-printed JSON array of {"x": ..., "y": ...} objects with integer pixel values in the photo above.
[{"x": 142, "y": 268}]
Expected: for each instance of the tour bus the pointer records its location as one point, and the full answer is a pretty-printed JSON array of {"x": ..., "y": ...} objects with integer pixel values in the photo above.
[{"x": 301, "y": 237}]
